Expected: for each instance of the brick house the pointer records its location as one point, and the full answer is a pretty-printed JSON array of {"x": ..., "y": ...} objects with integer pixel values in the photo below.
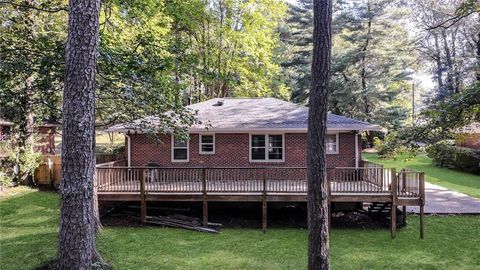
[
  {"x": 44, "y": 134},
  {"x": 245, "y": 132},
  {"x": 469, "y": 136}
]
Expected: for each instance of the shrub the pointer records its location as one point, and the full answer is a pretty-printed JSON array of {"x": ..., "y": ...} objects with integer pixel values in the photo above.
[
  {"x": 110, "y": 149},
  {"x": 442, "y": 154},
  {"x": 447, "y": 155},
  {"x": 391, "y": 147},
  {"x": 388, "y": 147}
]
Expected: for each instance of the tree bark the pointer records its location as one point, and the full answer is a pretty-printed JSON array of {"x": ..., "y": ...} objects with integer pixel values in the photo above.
[
  {"x": 76, "y": 240},
  {"x": 318, "y": 217}
]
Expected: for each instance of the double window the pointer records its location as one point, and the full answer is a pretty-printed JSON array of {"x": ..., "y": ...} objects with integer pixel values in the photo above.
[
  {"x": 180, "y": 149},
  {"x": 207, "y": 144},
  {"x": 267, "y": 147}
]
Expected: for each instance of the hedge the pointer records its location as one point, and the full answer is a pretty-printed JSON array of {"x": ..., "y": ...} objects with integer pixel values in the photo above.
[{"x": 450, "y": 156}]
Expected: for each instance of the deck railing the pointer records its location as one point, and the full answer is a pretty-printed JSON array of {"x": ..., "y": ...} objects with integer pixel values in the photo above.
[
  {"x": 361, "y": 180},
  {"x": 410, "y": 183},
  {"x": 365, "y": 180}
]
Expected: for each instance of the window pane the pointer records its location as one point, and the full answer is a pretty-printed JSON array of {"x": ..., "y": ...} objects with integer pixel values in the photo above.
[
  {"x": 207, "y": 139},
  {"x": 331, "y": 143},
  {"x": 258, "y": 141},
  {"x": 179, "y": 143},
  {"x": 258, "y": 153},
  {"x": 331, "y": 148},
  {"x": 331, "y": 138},
  {"x": 275, "y": 153},
  {"x": 207, "y": 147},
  {"x": 275, "y": 140},
  {"x": 180, "y": 154}
]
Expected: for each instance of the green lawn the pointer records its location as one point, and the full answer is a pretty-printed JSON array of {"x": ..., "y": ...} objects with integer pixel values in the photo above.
[
  {"x": 28, "y": 236},
  {"x": 451, "y": 179}
]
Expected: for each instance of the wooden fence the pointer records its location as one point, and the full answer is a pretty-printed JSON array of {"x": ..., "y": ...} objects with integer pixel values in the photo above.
[{"x": 49, "y": 172}]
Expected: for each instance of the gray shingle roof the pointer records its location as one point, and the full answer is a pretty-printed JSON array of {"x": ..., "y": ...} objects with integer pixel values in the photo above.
[
  {"x": 264, "y": 113},
  {"x": 247, "y": 114}
]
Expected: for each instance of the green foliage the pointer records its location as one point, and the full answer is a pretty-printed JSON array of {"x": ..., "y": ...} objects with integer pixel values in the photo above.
[
  {"x": 110, "y": 149},
  {"x": 447, "y": 155},
  {"x": 26, "y": 160},
  {"x": 32, "y": 52},
  {"x": 296, "y": 35},
  {"x": 371, "y": 52},
  {"x": 442, "y": 154},
  {"x": 5, "y": 180},
  {"x": 392, "y": 148}
]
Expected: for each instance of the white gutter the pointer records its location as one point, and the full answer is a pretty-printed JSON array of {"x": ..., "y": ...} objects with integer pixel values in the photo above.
[
  {"x": 129, "y": 150},
  {"x": 247, "y": 130}
]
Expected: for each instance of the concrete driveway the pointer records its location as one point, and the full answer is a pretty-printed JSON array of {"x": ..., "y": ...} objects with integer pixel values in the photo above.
[{"x": 439, "y": 200}]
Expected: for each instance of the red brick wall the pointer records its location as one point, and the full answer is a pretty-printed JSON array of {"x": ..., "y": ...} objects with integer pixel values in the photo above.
[
  {"x": 45, "y": 140},
  {"x": 232, "y": 150},
  {"x": 470, "y": 140}
]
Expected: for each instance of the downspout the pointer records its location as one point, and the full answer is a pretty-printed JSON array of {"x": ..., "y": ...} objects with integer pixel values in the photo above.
[
  {"x": 356, "y": 150},
  {"x": 129, "y": 150}
]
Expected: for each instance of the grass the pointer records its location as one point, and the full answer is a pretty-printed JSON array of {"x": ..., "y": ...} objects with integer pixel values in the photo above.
[
  {"x": 29, "y": 227},
  {"x": 451, "y": 179}
]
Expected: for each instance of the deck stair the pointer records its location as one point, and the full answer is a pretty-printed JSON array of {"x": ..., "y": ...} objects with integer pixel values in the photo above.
[{"x": 379, "y": 209}]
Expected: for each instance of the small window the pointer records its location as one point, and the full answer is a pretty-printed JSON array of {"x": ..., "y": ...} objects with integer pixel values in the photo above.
[
  {"x": 332, "y": 144},
  {"x": 266, "y": 148},
  {"x": 207, "y": 144},
  {"x": 258, "y": 147},
  {"x": 179, "y": 149}
]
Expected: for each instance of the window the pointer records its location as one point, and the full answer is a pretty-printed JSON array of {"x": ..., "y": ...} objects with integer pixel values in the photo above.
[
  {"x": 179, "y": 149},
  {"x": 332, "y": 144},
  {"x": 266, "y": 148},
  {"x": 207, "y": 144}
]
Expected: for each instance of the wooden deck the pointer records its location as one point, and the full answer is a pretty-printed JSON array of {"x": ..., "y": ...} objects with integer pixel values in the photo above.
[{"x": 371, "y": 183}]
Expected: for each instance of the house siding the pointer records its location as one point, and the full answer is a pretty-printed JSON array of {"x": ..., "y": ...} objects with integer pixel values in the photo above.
[
  {"x": 232, "y": 150},
  {"x": 469, "y": 140}
]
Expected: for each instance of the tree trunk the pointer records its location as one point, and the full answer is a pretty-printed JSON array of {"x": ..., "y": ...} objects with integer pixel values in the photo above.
[
  {"x": 317, "y": 125},
  {"x": 364, "y": 64},
  {"x": 439, "y": 66},
  {"x": 477, "y": 44},
  {"x": 77, "y": 238}
]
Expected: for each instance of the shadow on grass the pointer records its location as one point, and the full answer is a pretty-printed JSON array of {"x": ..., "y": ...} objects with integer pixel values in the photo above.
[{"x": 28, "y": 229}]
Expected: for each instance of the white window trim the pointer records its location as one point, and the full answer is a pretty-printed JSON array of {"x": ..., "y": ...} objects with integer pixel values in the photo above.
[
  {"x": 200, "y": 144},
  {"x": 337, "y": 151},
  {"x": 172, "y": 148},
  {"x": 266, "y": 160}
]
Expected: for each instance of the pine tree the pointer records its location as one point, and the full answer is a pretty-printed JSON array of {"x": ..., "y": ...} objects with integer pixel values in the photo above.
[
  {"x": 296, "y": 35},
  {"x": 317, "y": 197},
  {"x": 77, "y": 231}
]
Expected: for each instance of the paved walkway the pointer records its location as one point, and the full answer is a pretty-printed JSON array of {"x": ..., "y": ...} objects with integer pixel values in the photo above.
[{"x": 440, "y": 200}]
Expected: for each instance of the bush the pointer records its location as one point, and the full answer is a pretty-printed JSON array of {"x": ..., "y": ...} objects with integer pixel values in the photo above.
[
  {"x": 442, "y": 154},
  {"x": 110, "y": 149},
  {"x": 391, "y": 147},
  {"x": 447, "y": 155}
]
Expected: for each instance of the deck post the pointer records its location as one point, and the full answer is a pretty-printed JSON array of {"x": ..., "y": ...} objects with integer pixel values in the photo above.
[
  {"x": 329, "y": 203},
  {"x": 393, "y": 213},
  {"x": 143, "y": 203},
  {"x": 264, "y": 202},
  {"x": 205, "y": 202},
  {"x": 404, "y": 215},
  {"x": 421, "y": 187}
]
